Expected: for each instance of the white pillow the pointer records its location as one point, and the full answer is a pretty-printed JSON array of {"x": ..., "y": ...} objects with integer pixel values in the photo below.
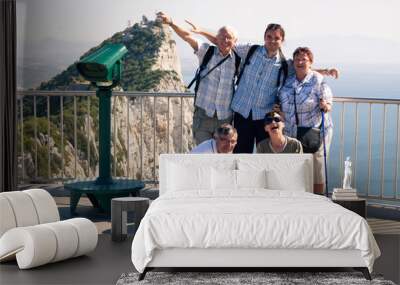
[
  {"x": 292, "y": 179},
  {"x": 223, "y": 179},
  {"x": 281, "y": 173},
  {"x": 251, "y": 178},
  {"x": 188, "y": 177}
]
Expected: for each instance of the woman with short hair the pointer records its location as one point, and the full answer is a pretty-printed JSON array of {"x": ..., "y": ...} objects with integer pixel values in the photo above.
[{"x": 302, "y": 98}]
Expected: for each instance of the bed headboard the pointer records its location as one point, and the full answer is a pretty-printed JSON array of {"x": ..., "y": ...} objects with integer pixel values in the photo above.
[{"x": 279, "y": 162}]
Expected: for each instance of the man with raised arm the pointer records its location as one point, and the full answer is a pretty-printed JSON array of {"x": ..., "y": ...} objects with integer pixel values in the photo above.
[{"x": 215, "y": 79}]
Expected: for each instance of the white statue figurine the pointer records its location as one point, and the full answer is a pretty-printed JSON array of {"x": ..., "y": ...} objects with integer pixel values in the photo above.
[{"x": 347, "y": 174}]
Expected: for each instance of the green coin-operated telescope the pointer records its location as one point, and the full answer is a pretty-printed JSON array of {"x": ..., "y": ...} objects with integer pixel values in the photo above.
[{"x": 103, "y": 68}]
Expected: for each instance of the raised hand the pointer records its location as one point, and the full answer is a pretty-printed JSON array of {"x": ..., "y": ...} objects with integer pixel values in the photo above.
[
  {"x": 194, "y": 28},
  {"x": 333, "y": 72},
  {"x": 182, "y": 33},
  {"x": 164, "y": 18}
]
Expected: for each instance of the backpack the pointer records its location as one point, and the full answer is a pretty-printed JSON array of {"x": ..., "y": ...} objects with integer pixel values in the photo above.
[
  {"x": 207, "y": 57},
  {"x": 284, "y": 66}
]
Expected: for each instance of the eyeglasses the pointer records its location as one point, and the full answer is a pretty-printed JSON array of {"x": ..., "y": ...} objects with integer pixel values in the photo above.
[{"x": 269, "y": 120}]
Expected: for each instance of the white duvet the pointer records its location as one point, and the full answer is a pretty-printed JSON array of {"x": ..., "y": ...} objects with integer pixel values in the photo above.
[{"x": 252, "y": 218}]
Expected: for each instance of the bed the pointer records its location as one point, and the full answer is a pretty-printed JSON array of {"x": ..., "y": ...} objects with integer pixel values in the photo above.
[{"x": 243, "y": 210}]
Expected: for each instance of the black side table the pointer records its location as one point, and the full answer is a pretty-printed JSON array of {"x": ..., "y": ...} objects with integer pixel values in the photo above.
[
  {"x": 358, "y": 206},
  {"x": 119, "y": 209}
]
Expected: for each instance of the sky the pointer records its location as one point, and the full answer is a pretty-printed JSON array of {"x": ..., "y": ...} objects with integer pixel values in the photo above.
[
  {"x": 57, "y": 32},
  {"x": 78, "y": 20}
]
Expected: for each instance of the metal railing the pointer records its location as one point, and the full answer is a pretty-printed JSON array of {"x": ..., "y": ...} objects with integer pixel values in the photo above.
[
  {"x": 382, "y": 143},
  {"x": 89, "y": 96},
  {"x": 355, "y": 134}
]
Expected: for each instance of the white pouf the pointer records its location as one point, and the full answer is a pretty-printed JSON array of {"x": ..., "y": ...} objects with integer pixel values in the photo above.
[{"x": 31, "y": 232}]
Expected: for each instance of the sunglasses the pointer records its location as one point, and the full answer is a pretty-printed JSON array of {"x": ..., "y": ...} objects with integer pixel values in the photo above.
[{"x": 274, "y": 119}]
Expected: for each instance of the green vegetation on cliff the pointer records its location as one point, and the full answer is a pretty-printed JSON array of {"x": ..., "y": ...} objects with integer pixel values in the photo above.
[{"x": 143, "y": 42}]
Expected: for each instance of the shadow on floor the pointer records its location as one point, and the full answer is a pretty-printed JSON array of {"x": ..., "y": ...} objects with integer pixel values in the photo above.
[{"x": 102, "y": 266}]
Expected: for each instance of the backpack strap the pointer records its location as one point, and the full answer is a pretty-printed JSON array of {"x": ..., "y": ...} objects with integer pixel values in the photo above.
[
  {"x": 238, "y": 59},
  {"x": 246, "y": 62},
  {"x": 284, "y": 68},
  {"x": 206, "y": 60}
]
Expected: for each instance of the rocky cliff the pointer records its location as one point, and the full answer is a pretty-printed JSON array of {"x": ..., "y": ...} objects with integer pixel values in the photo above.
[{"x": 152, "y": 64}]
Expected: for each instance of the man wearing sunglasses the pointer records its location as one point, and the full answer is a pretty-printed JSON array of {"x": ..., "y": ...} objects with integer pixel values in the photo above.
[
  {"x": 277, "y": 141},
  {"x": 224, "y": 141}
]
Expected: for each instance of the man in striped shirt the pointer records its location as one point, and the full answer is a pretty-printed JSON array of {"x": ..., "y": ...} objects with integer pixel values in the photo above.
[{"x": 215, "y": 90}]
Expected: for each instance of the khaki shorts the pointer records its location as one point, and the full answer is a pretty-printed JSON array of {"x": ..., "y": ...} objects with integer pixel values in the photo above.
[
  {"x": 205, "y": 126},
  {"x": 319, "y": 166}
]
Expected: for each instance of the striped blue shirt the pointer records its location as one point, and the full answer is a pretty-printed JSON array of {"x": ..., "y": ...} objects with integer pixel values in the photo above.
[
  {"x": 216, "y": 89},
  {"x": 257, "y": 90},
  {"x": 308, "y": 94}
]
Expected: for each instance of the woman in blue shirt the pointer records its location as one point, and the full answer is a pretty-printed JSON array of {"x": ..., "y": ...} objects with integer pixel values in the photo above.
[{"x": 307, "y": 91}]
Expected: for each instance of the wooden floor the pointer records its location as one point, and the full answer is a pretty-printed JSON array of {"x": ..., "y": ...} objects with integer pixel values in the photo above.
[{"x": 111, "y": 259}]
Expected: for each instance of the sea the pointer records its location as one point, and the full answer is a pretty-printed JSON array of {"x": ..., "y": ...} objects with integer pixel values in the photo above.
[{"x": 373, "y": 82}]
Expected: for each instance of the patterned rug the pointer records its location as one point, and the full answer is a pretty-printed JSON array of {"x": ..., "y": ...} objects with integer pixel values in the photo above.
[{"x": 243, "y": 278}]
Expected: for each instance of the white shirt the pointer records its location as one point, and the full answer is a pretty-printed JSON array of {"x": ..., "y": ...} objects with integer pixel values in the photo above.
[{"x": 208, "y": 146}]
